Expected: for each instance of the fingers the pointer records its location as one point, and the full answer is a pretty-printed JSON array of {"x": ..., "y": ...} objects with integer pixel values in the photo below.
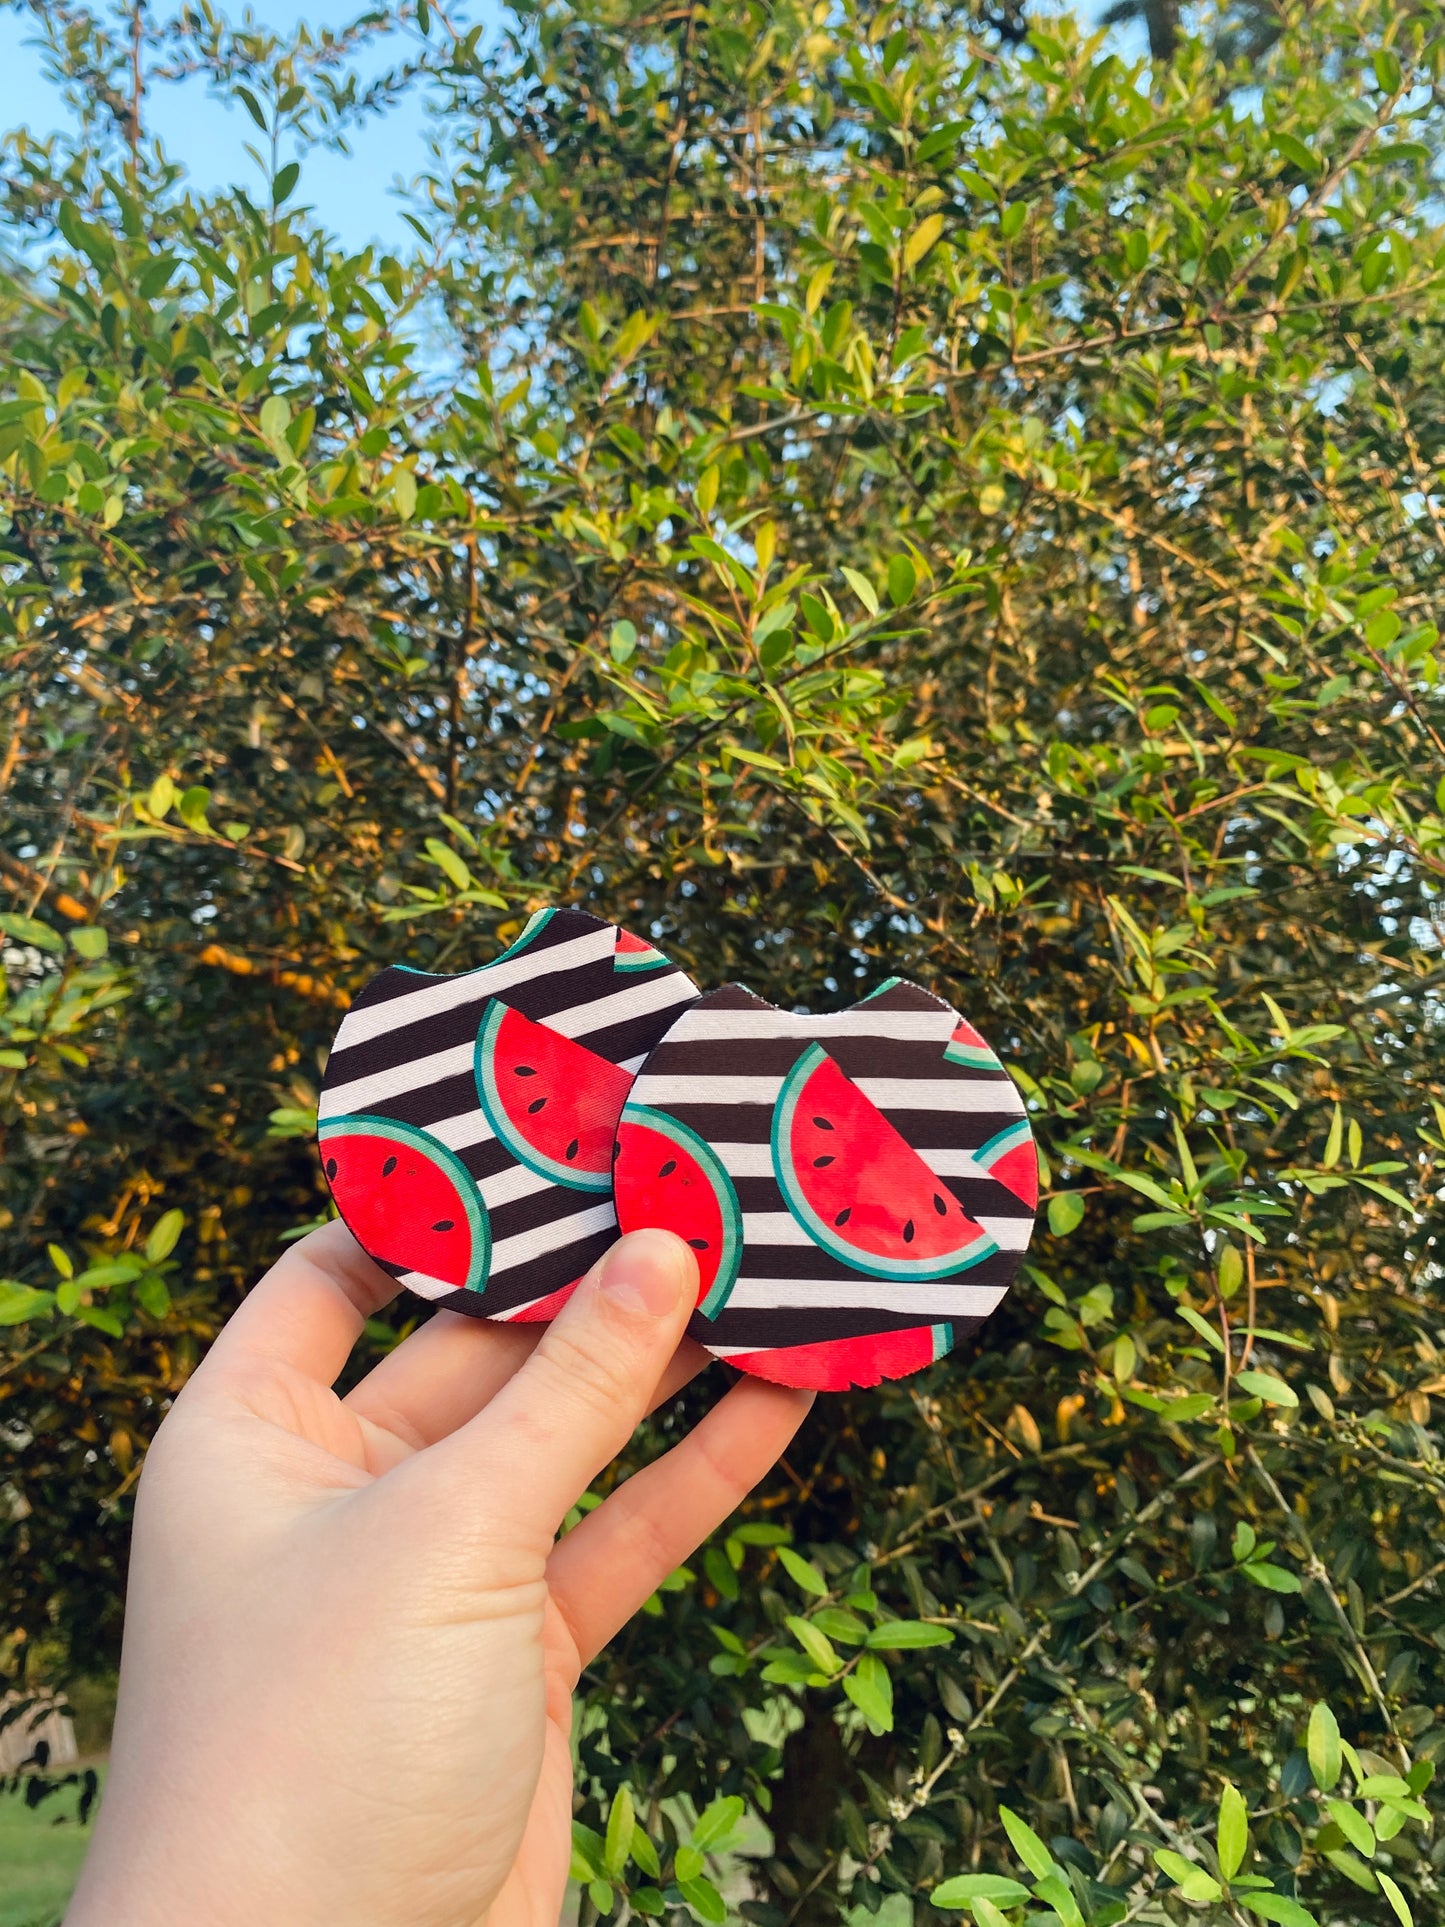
[
  {"x": 573, "y": 1405},
  {"x": 444, "y": 1374},
  {"x": 309, "y": 1309},
  {"x": 605, "y": 1567},
  {"x": 441, "y": 1376}
]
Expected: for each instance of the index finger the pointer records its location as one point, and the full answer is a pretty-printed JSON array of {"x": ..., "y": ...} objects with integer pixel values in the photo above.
[{"x": 308, "y": 1310}]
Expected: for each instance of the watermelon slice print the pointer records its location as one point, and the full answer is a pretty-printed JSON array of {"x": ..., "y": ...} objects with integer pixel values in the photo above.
[
  {"x": 855, "y": 1184},
  {"x": 408, "y": 1200},
  {"x": 672, "y": 1181},
  {"x": 840, "y": 1364},
  {"x": 552, "y": 1102},
  {"x": 967, "y": 1048},
  {"x": 634, "y": 954},
  {"x": 1010, "y": 1157},
  {"x": 517, "y": 1072},
  {"x": 876, "y": 1158}
]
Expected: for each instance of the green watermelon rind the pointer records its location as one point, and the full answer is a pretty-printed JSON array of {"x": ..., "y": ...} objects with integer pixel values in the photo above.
[
  {"x": 363, "y": 1124},
  {"x": 1002, "y": 1142},
  {"x": 969, "y": 1057},
  {"x": 730, "y": 1211},
  {"x": 888, "y": 983},
  {"x": 537, "y": 921},
  {"x": 484, "y": 1065},
  {"x": 901, "y": 1270},
  {"x": 648, "y": 959}
]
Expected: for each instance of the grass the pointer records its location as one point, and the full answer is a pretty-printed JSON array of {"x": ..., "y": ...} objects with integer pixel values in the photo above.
[{"x": 40, "y": 1855}]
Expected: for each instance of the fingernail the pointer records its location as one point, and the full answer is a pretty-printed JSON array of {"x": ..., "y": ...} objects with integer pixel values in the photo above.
[{"x": 648, "y": 1271}]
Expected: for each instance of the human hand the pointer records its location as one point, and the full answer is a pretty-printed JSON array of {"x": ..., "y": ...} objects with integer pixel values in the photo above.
[{"x": 352, "y": 1636}]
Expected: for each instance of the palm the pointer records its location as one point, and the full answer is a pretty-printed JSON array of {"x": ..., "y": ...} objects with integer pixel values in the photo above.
[
  {"x": 531, "y": 1896},
  {"x": 271, "y": 1444}
]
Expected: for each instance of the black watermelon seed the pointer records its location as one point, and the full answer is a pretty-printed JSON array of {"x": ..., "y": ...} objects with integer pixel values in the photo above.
[
  {"x": 445, "y": 1224},
  {"x": 939, "y": 1206},
  {"x": 698, "y": 1244},
  {"x": 818, "y": 1163},
  {"x": 523, "y": 1070},
  {"x": 666, "y": 1170},
  {"x": 535, "y": 1106},
  {"x": 616, "y": 1149},
  {"x": 822, "y": 1123},
  {"x": 331, "y": 1167},
  {"x": 388, "y": 1167},
  {"x": 844, "y": 1215},
  {"x": 571, "y": 1151},
  {"x": 908, "y": 1232}
]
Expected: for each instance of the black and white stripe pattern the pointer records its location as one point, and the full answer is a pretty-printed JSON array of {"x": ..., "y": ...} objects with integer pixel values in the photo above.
[
  {"x": 405, "y": 1050},
  {"x": 720, "y": 1070}
]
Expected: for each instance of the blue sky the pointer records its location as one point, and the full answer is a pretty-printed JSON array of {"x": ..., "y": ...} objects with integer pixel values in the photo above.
[{"x": 353, "y": 193}]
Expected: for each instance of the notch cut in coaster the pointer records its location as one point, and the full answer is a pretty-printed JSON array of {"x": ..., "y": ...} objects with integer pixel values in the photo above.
[
  {"x": 861, "y": 1186},
  {"x": 467, "y": 1122}
]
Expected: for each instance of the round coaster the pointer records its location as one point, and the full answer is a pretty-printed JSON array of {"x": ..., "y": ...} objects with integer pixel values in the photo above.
[
  {"x": 468, "y": 1123},
  {"x": 859, "y": 1188}
]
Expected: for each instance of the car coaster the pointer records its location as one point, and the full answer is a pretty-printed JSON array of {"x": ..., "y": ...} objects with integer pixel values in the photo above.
[
  {"x": 859, "y": 1188},
  {"x": 468, "y": 1123}
]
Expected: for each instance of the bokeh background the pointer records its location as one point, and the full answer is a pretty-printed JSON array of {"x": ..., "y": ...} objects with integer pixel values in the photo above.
[{"x": 848, "y": 489}]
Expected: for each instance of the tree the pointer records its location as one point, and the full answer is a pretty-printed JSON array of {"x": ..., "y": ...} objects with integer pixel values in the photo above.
[{"x": 850, "y": 497}]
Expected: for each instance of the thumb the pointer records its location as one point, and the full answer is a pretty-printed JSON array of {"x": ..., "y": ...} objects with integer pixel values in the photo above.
[{"x": 575, "y": 1403}]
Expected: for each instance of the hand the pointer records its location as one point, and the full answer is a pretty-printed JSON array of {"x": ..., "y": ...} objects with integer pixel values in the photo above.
[{"x": 352, "y": 1635}]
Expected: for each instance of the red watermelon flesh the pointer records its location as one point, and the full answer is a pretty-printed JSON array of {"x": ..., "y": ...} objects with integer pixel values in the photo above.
[
  {"x": 965, "y": 1047},
  {"x": 858, "y": 1187},
  {"x": 1012, "y": 1159},
  {"x": 666, "y": 1177},
  {"x": 632, "y": 953},
  {"x": 542, "y": 1311},
  {"x": 552, "y": 1102},
  {"x": 409, "y": 1200},
  {"x": 839, "y": 1363}
]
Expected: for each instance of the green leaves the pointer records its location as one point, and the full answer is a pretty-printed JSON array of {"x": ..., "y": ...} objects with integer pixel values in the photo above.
[
  {"x": 716, "y": 1825},
  {"x": 1265, "y": 1385},
  {"x": 803, "y": 1574},
  {"x": 1353, "y": 1825},
  {"x": 164, "y": 1235},
  {"x": 921, "y": 240},
  {"x": 871, "y": 1691},
  {"x": 449, "y": 863},
  {"x": 901, "y": 1635},
  {"x": 1276, "y": 1907},
  {"x": 862, "y": 588},
  {"x": 1252, "y": 1562},
  {"x": 1065, "y": 1213},
  {"x": 621, "y": 1821},
  {"x": 1194, "y": 1882},
  {"x": 20, "y": 1303},
  {"x": 30, "y": 930},
  {"x": 814, "y": 1643},
  {"x": 1323, "y": 1746},
  {"x": 1399, "y": 1905},
  {"x": 962, "y": 1889},
  {"x": 1232, "y": 1836},
  {"x": 1026, "y": 1843}
]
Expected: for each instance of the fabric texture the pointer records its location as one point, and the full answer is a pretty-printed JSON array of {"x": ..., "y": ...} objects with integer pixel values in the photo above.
[
  {"x": 418, "y": 1051},
  {"x": 880, "y": 1167}
]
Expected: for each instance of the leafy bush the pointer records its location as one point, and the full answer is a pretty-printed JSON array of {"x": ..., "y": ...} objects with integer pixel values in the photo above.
[{"x": 847, "y": 495}]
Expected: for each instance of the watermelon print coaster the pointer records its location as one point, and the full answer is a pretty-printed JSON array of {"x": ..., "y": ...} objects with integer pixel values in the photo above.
[
  {"x": 468, "y": 1123},
  {"x": 859, "y": 1188}
]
